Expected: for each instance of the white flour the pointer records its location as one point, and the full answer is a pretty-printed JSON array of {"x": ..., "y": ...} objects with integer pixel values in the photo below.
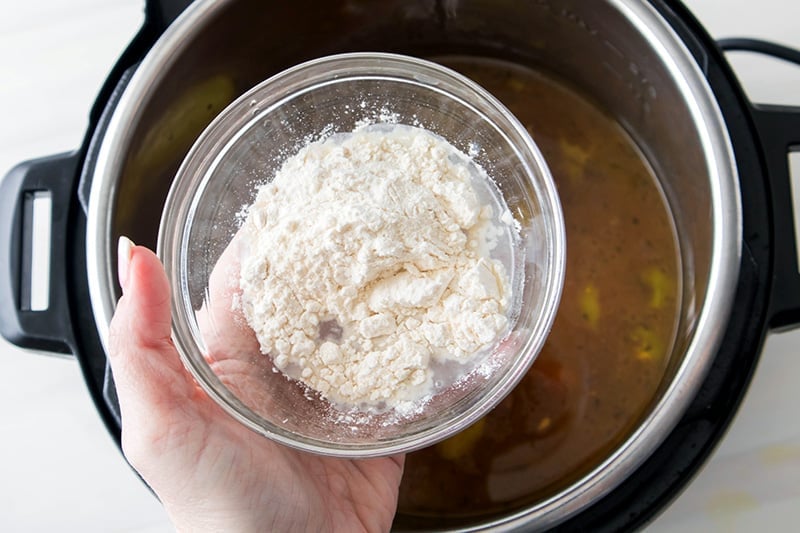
[{"x": 367, "y": 266}]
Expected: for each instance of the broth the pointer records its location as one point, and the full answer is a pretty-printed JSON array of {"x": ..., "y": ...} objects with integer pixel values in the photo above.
[{"x": 609, "y": 347}]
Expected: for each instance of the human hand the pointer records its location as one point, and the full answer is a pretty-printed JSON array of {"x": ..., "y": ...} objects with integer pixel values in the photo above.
[{"x": 210, "y": 472}]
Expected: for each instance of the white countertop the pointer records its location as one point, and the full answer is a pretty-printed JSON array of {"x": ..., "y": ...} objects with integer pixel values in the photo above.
[{"x": 59, "y": 469}]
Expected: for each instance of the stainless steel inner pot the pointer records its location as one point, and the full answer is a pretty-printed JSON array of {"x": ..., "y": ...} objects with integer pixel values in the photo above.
[{"x": 621, "y": 52}]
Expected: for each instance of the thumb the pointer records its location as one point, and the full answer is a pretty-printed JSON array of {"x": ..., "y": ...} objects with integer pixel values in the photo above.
[{"x": 148, "y": 372}]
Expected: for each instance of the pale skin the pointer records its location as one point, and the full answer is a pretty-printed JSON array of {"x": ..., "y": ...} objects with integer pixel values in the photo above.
[{"x": 210, "y": 472}]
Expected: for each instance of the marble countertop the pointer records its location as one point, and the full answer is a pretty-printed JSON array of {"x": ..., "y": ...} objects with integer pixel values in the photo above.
[{"x": 61, "y": 471}]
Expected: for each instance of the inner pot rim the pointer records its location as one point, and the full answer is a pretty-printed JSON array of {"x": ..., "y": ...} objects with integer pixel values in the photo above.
[{"x": 723, "y": 270}]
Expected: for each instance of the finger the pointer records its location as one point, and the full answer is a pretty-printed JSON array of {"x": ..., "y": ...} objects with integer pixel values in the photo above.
[
  {"x": 221, "y": 322},
  {"x": 147, "y": 369}
]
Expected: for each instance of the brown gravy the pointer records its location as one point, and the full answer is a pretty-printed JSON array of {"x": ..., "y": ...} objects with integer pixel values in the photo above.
[{"x": 608, "y": 350}]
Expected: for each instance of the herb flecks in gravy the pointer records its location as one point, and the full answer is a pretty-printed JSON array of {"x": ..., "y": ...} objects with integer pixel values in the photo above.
[{"x": 607, "y": 352}]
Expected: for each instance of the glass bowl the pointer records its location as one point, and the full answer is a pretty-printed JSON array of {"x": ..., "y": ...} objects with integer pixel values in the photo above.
[{"x": 248, "y": 143}]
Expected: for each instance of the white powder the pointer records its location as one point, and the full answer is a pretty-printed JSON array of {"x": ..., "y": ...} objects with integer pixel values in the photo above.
[{"x": 367, "y": 266}]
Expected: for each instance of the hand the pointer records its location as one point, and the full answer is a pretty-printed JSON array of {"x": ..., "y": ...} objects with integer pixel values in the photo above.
[{"x": 210, "y": 472}]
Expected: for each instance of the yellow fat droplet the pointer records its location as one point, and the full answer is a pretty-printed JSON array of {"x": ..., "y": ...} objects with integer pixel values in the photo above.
[
  {"x": 544, "y": 425},
  {"x": 646, "y": 344},
  {"x": 575, "y": 156},
  {"x": 461, "y": 444},
  {"x": 590, "y": 305},
  {"x": 659, "y": 284},
  {"x": 516, "y": 84}
]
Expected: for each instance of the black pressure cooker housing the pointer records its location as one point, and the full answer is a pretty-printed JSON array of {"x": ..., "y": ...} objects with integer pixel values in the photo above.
[{"x": 767, "y": 295}]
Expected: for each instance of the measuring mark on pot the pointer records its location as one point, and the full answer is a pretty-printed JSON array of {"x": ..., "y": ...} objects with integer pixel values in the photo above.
[
  {"x": 637, "y": 83},
  {"x": 633, "y": 77},
  {"x": 569, "y": 15},
  {"x": 578, "y": 21},
  {"x": 628, "y": 72}
]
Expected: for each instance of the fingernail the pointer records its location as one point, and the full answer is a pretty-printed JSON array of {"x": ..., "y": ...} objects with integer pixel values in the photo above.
[{"x": 124, "y": 249}]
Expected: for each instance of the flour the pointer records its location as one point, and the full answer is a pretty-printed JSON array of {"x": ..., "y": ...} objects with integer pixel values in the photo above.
[{"x": 367, "y": 266}]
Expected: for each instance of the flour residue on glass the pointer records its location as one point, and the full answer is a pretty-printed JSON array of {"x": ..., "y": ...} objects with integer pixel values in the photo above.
[{"x": 373, "y": 268}]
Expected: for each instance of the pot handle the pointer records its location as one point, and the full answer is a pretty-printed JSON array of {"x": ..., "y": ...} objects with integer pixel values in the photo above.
[
  {"x": 40, "y": 325},
  {"x": 779, "y": 133}
]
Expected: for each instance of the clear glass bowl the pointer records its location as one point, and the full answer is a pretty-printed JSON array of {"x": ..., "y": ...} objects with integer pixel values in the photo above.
[{"x": 244, "y": 147}]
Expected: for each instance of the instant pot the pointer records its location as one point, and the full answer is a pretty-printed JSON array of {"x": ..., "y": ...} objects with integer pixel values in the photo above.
[{"x": 722, "y": 161}]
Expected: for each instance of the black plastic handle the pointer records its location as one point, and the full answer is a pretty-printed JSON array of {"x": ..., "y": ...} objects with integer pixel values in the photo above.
[
  {"x": 162, "y": 13},
  {"x": 49, "y": 329},
  {"x": 778, "y": 130}
]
